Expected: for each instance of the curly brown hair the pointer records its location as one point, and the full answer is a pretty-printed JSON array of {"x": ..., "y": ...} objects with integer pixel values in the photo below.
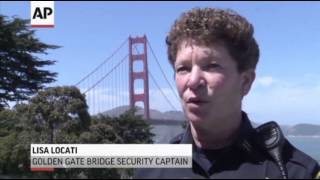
[{"x": 208, "y": 25}]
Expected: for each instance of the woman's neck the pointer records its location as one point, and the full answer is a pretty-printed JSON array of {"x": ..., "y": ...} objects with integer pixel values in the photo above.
[{"x": 219, "y": 136}]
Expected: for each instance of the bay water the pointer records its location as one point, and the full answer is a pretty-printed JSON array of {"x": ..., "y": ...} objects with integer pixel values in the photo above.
[{"x": 308, "y": 144}]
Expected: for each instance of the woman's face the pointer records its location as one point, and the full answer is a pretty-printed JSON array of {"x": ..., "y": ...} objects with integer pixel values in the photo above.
[{"x": 209, "y": 83}]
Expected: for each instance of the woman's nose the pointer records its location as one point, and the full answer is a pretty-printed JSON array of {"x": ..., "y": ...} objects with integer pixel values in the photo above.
[{"x": 196, "y": 79}]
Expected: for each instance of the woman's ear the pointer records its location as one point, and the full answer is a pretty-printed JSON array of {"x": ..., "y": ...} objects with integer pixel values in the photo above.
[{"x": 247, "y": 78}]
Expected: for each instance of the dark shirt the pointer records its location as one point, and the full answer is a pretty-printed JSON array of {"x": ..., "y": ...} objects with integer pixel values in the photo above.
[{"x": 244, "y": 159}]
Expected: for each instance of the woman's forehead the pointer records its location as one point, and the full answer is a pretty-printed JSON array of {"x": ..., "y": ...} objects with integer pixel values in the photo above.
[{"x": 187, "y": 50}]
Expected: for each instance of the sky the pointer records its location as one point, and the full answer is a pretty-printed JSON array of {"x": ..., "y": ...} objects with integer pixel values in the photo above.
[{"x": 287, "y": 86}]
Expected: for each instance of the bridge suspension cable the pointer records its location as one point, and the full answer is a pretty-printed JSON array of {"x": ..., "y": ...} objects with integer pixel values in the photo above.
[
  {"x": 155, "y": 82},
  {"x": 96, "y": 91},
  {"x": 155, "y": 57},
  {"x": 166, "y": 98},
  {"x": 101, "y": 65},
  {"x": 106, "y": 75}
]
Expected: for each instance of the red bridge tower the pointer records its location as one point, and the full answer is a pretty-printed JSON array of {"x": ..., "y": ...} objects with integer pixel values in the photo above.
[{"x": 141, "y": 56}]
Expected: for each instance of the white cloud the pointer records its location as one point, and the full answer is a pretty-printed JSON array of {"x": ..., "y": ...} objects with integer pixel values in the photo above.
[
  {"x": 265, "y": 81},
  {"x": 288, "y": 102}
]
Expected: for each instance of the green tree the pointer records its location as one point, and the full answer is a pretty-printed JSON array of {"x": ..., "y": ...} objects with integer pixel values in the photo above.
[
  {"x": 21, "y": 71},
  {"x": 55, "y": 115},
  {"x": 61, "y": 112},
  {"x": 130, "y": 128},
  {"x": 133, "y": 129},
  {"x": 8, "y": 138},
  {"x": 125, "y": 129},
  {"x": 59, "y": 115}
]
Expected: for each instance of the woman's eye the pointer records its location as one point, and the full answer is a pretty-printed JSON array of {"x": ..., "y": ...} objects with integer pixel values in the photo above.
[
  {"x": 212, "y": 66},
  {"x": 182, "y": 69}
]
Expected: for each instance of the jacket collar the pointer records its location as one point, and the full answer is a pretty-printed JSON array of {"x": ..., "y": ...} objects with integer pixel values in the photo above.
[{"x": 244, "y": 138}]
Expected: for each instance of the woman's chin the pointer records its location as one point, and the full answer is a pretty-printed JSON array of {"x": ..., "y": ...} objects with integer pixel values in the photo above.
[
  {"x": 195, "y": 115},
  {"x": 194, "y": 118}
]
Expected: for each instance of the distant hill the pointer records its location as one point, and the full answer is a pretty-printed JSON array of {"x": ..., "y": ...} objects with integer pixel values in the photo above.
[
  {"x": 304, "y": 130},
  {"x": 154, "y": 114},
  {"x": 177, "y": 116}
]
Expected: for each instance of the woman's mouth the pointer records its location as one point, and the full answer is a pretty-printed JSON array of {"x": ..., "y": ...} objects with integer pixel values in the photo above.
[{"x": 197, "y": 101}]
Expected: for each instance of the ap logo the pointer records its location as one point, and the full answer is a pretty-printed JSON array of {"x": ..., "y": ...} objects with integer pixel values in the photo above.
[{"x": 42, "y": 14}]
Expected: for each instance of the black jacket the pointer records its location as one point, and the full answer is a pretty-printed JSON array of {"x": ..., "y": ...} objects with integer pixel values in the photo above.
[{"x": 244, "y": 159}]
